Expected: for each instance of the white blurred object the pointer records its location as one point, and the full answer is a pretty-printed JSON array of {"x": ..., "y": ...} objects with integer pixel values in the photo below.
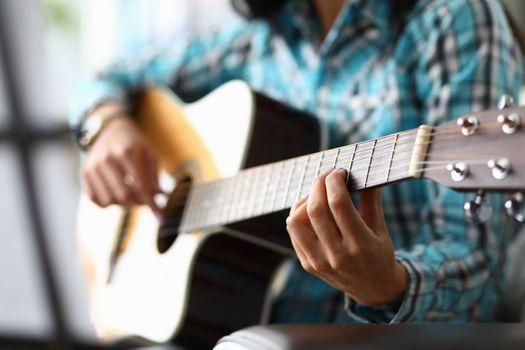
[
  {"x": 49, "y": 60},
  {"x": 112, "y": 28}
]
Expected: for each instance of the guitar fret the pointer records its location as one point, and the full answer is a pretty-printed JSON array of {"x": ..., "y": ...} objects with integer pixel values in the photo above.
[
  {"x": 251, "y": 193},
  {"x": 255, "y": 191},
  {"x": 227, "y": 199},
  {"x": 288, "y": 183},
  {"x": 233, "y": 188},
  {"x": 259, "y": 190},
  {"x": 351, "y": 163},
  {"x": 201, "y": 204},
  {"x": 248, "y": 192},
  {"x": 266, "y": 188},
  {"x": 391, "y": 157},
  {"x": 298, "y": 196},
  {"x": 370, "y": 162},
  {"x": 217, "y": 202},
  {"x": 194, "y": 205},
  {"x": 245, "y": 196},
  {"x": 236, "y": 198},
  {"x": 336, "y": 157},
  {"x": 208, "y": 203},
  {"x": 273, "y": 202},
  {"x": 266, "y": 173},
  {"x": 272, "y": 187},
  {"x": 312, "y": 169},
  {"x": 319, "y": 164}
]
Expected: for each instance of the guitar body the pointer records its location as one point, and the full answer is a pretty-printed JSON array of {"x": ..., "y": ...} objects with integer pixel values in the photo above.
[{"x": 196, "y": 286}]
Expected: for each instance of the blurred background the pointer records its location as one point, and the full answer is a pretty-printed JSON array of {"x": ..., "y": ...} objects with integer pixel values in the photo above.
[{"x": 55, "y": 42}]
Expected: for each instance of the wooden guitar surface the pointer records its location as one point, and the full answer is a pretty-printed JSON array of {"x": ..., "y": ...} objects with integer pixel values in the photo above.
[{"x": 205, "y": 283}]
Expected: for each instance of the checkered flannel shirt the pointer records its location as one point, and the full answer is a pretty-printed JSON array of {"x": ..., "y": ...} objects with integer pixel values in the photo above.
[{"x": 367, "y": 79}]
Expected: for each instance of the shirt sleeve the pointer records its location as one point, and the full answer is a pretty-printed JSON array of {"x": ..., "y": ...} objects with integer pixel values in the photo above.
[
  {"x": 190, "y": 66},
  {"x": 467, "y": 59}
]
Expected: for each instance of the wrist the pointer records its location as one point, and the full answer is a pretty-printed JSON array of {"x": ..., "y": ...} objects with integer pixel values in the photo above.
[
  {"x": 390, "y": 293},
  {"x": 399, "y": 285},
  {"x": 96, "y": 121}
]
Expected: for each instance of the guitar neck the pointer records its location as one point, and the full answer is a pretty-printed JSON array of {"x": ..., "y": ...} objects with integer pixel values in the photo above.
[{"x": 274, "y": 187}]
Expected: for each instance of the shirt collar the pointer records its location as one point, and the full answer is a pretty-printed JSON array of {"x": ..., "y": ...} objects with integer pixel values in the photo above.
[
  {"x": 377, "y": 11},
  {"x": 305, "y": 19}
]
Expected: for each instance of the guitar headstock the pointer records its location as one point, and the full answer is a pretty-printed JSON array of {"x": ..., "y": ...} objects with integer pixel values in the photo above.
[
  {"x": 483, "y": 152},
  {"x": 479, "y": 151}
]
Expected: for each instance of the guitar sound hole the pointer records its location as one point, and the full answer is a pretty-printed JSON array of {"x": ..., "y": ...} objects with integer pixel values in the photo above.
[{"x": 169, "y": 229}]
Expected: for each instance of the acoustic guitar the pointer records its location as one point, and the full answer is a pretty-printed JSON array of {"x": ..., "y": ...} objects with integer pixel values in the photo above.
[{"x": 236, "y": 163}]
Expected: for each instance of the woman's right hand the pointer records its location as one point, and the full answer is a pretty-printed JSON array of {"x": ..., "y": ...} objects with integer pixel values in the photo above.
[{"x": 121, "y": 167}]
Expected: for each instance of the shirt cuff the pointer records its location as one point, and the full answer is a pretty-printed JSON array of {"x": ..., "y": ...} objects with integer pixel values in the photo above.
[{"x": 416, "y": 302}]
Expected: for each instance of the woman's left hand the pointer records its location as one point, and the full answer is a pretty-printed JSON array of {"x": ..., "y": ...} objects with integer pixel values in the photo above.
[{"x": 348, "y": 248}]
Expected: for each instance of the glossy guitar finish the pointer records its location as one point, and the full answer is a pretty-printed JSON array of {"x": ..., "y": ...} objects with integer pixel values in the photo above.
[{"x": 207, "y": 283}]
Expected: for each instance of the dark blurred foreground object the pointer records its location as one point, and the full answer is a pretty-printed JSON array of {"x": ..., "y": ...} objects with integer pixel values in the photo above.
[
  {"x": 10, "y": 342},
  {"x": 372, "y": 337}
]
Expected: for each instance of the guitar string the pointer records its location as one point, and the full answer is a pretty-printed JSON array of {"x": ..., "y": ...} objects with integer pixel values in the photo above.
[
  {"x": 356, "y": 150},
  {"x": 413, "y": 132},
  {"x": 357, "y": 186},
  {"x": 343, "y": 158},
  {"x": 403, "y": 142},
  {"x": 437, "y": 130},
  {"x": 214, "y": 220},
  {"x": 376, "y": 155},
  {"x": 379, "y": 154},
  {"x": 398, "y": 167},
  {"x": 359, "y": 150},
  {"x": 381, "y": 172},
  {"x": 211, "y": 221},
  {"x": 356, "y": 171}
]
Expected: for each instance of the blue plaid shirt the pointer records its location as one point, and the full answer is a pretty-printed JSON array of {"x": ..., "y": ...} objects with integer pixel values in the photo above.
[{"x": 365, "y": 80}]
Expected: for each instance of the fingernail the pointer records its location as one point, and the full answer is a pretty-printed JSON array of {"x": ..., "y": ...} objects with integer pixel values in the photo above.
[{"x": 340, "y": 171}]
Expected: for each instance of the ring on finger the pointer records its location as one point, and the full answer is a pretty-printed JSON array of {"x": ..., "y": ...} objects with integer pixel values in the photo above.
[{"x": 129, "y": 180}]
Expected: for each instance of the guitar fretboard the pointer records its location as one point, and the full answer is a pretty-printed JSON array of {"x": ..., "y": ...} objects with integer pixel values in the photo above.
[{"x": 273, "y": 187}]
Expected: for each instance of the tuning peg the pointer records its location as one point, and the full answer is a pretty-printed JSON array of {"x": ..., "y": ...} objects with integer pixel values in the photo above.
[
  {"x": 458, "y": 171},
  {"x": 505, "y": 101},
  {"x": 501, "y": 168},
  {"x": 509, "y": 123},
  {"x": 515, "y": 207},
  {"x": 468, "y": 125},
  {"x": 477, "y": 210}
]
